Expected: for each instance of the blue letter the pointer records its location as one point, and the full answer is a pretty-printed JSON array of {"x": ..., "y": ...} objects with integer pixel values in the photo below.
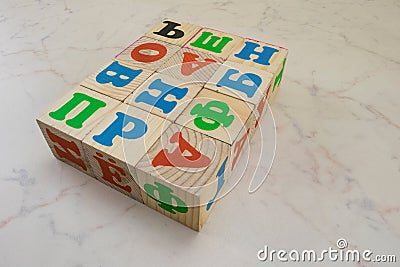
[
  {"x": 240, "y": 85},
  {"x": 116, "y": 129},
  {"x": 262, "y": 57},
  {"x": 117, "y": 74},
  {"x": 220, "y": 175},
  {"x": 159, "y": 101}
]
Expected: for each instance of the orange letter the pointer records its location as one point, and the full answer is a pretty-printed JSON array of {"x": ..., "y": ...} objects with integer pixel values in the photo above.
[
  {"x": 66, "y": 148},
  {"x": 177, "y": 159},
  {"x": 189, "y": 59}
]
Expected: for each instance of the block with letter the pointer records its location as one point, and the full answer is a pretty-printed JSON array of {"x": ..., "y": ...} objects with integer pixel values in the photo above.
[
  {"x": 116, "y": 80},
  {"x": 182, "y": 174},
  {"x": 262, "y": 56},
  {"x": 147, "y": 53},
  {"x": 243, "y": 82},
  {"x": 214, "y": 42},
  {"x": 222, "y": 117},
  {"x": 69, "y": 120},
  {"x": 166, "y": 121},
  {"x": 192, "y": 66},
  {"x": 164, "y": 96},
  {"x": 118, "y": 142}
]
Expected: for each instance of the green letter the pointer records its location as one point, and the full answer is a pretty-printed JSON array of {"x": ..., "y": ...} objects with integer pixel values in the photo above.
[
  {"x": 208, "y": 112},
  {"x": 77, "y": 121},
  {"x": 210, "y": 45}
]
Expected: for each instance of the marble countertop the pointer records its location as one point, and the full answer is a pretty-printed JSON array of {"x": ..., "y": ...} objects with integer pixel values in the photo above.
[{"x": 336, "y": 172}]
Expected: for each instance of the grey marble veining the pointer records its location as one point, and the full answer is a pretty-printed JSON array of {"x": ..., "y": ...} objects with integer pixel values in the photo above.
[{"x": 336, "y": 172}]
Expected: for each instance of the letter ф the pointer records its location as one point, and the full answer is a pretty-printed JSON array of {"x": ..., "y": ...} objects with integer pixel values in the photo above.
[
  {"x": 209, "y": 112},
  {"x": 165, "y": 198}
]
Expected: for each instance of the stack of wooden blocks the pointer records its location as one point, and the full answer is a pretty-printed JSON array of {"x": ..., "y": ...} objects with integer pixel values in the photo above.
[{"x": 165, "y": 121}]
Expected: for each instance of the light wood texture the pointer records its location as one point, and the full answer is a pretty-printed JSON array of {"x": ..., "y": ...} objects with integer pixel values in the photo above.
[
  {"x": 227, "y": 49},
  {"x": 167, "y": 120},
  {"x": 192, "y": 91},
  {"x": 189, "y": 31},
  {"x": 190, "y": 65},
  {"x": 116, "y": 92},
  {"x": 124, "y": 153},
  {"x": 240, "y": 110},
  {"x": 65, "y": 141},
  {"x": 235, "y": 72},
  {"x": 277, "y": 79},
  {"x": 193, "y": 180},
  {"x": 126, "y": 57},
  {"x": 275, "y": 62}
]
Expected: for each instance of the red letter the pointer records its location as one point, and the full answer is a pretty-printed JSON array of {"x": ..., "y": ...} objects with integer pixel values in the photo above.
[
  {"x": 66, "y": 148},
  {"x": 159, "y": 48},
  {"x": 177, "y": 159},
  {"x": 110, "y": 171},
  {"x": 238, "y": 148},
  {"x": 189, "y": 59}
]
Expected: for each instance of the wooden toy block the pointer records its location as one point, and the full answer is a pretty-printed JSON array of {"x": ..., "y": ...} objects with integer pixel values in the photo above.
[
  {"x": 173, "y": 31},
  {"x": 190, "y": 65},
  {"x": 240, "y": 81},
  {"x": 165, "y": 122},
  {"x": 214, "y": 42},
  {"x": 217, "y": 115},
  {"x": 118, "y": 142},
  {"x": 116, "y": 79},
  {"x": 69, "y": 120},
  {"x": 182, "y": 175},
  {"x": 147, "y": 53},
  {"x": 246, "y": 83},
  {"x": 164, "y": 96},
  {"x": 262, "y": 56}
]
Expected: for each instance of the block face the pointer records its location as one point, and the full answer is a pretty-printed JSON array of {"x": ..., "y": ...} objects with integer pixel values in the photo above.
[
  {"x": 259, "y": 55},
  {"x": 69, "y": 120},
  {"x": 116, "y": 79},
  {"x": 240, "y": 81},
  {"x": 190, "y": 65},
  {"x": 164, "y": 96},
  {"x": 66, "y": 148},
  {"x": 78, "y": 112},
  {"x": 173, "y": 31},
  {"x": 187, "y": 164},
  {"x": 121, "y": 139},
  {"x": 217, "y": 115},
  {"x": 264, "y": 56},
  {"x": 214, "y": 42},
  {"x": 147, "y": 53}
]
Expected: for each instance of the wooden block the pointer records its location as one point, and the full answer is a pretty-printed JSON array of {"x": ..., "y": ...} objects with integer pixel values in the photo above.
[
  {"x": 262, "y": 56},
  {"x": 182, "y": 175},
  {"x": 241, "y": 81},
  {"x": 190, "y": 65},
  {"x": 214, "y": 42},
  {"x": 164, "y": 96},
  {"x": 116, "y": 79},
  {"x": 173, "y": 31},
  {"x": 193, "y": 98},
  {"x": 217, "y": 115},
  {"x": 69, "y": 120},
  {"x": 147, "y": 53},
  {"x": 118, "y": 142}
]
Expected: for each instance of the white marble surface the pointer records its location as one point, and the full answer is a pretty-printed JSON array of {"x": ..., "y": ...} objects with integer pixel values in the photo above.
[{"x": 337, "y": 167}]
